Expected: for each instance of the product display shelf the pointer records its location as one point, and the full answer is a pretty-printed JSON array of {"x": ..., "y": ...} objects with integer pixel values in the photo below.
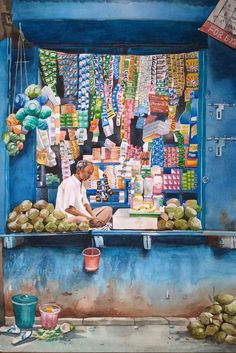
[
  {"x": 102, "y": 164},
  {"x": 111, "y": 204},
  {"x": 69, "y": 127},
  {"x": 46, "y": 186}
]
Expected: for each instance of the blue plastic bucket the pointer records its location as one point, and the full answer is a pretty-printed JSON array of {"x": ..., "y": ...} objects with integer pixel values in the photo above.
[{"x": 24, "y": 306}]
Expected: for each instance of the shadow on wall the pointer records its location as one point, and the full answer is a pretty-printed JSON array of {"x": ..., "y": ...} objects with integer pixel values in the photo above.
[
  {"x": 219, "y": 55},
  {"x": 226, "y": 222}
]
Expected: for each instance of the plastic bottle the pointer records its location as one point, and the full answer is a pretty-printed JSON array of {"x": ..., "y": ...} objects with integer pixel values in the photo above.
[
  {"x": 138, "y": 185},
  {"x": 157, "y": 185},
  {"x": 123, "y": 150},
  {"x": 148, "y": 186}
]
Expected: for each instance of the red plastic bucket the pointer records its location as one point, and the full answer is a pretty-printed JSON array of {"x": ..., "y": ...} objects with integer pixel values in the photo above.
[{"x": 91, "y": 259}]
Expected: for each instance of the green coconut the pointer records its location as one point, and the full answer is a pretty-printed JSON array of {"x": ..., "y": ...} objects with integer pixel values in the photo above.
[
  {"x": 194, "y": 323},
  {"x": 83, "y": 226},
  {"x": 37, "y": 219},
  {"x": 220, "y": 336},
  {"x": 179, "y": 212},
  {"x": 59, "y": 214},
  {"x": 161, "y": 224},
  {"x": 51, "y": 218},
  {"x": 12, "y": 216},
  {"x": 173, "y": 201},
  {"x": 223, "y": 298},
  {"x": 40, "y": 204},
  {"x": 218, "y": 317},
  {"x": 50, "y": 207},
  {"x": 164, "y": 216},
  {"x": 198, "y": 333},
  {"x": 194, "y": 223},
  {"x": 13, "y": 227},
  {"x": 73, "y": 227},
  {"x": 44, "y": 213},
  {"x": 67, "y": 327},
  {"x": 63, "y": 226},
  {"x": 230, "y": 308},
  {"x": 214, "y": 309},
  {"x": 205, "y": 318},
  {"x": 170, "y": 208},
  {"x": 21, "y": 219},
  {"x": 216, "y": 322},
  {"x": 211, "y": 330},
  {"x": 25, "y": 206},
  {"x": 51, "y": 227},
  {"x": 181, "y": 224},
  {"x": 230, "y": 339},
  {"x": 228, "y": 328},
  {"x": 229, "y": 319},
  {"x": 169, "y": 225},
  {"x": 33, "y": 213},
  {"x": 39, "y": 226},
  {"x": 27, "y": 227},
  {"x": 190, "y": 212}
]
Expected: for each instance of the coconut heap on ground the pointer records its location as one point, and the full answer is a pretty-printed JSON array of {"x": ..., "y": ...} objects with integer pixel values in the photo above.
[
  {"x": 41, "y": 217},
  {"x": 217, "y": 321}
]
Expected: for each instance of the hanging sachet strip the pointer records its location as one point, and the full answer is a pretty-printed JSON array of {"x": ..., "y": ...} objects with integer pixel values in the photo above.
[
  {"x": 48, "y": 64},
  {"x": 123, "y": 87},
  {"x": 161, "y": 75},
  {"x": 68, "y": 70},
  {"x": 176, "y": 76},
  {"x": 83, "y": 90},
  {"x": 144, "y": 82},
  {"x": 157, "y": 156},
  {"x": 108, "y": 85},
  {"x": 98, "y": 75},
  {"x": 192, "y": 67},
  {"x": 116, "y": 67},
  {"x": 181, "y": 150}
]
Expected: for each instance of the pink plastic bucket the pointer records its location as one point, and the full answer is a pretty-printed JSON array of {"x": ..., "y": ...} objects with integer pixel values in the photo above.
[
  {"x": 91, "y": 259},
  {"x": 49, "y": 319}
]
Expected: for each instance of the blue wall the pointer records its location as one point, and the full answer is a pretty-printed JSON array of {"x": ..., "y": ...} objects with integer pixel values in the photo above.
[
  {"x": 129, "y": 281},
  {"x": 4, "y": 160},
  {"x": 220, "y": 192}
]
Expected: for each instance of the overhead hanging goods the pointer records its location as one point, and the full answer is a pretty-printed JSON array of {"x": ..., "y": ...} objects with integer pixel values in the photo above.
[{"x": 27, "y": 106}]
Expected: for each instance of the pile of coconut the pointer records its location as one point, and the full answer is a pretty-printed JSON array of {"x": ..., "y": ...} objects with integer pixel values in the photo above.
[
  {"x": 41, "y": 217},
  {"x": 217, "y": 321}
]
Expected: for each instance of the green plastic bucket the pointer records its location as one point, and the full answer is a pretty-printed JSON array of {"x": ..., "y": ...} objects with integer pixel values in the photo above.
[{"x": 24, "y": 306}]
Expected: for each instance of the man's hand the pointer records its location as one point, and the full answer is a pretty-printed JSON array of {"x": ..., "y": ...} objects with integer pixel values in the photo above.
[{"x": 95, "y": 223}]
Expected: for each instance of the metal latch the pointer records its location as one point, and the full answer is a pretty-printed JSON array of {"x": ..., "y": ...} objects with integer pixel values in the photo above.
[
  {"x": 147, "y": 242},
  {"x": 99, "y": 241},
  {"x": 220, "y": 107},
  {"x": 220, "y": 143}
]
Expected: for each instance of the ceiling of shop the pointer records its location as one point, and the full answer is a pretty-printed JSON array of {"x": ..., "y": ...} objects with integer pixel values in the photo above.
[{"x": 133, "y": 26}]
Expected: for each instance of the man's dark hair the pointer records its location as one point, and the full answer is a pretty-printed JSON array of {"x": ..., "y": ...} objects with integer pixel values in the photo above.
[{"x": 81, "y": 165}]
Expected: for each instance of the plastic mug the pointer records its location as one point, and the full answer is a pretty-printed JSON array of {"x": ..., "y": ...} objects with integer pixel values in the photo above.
[{"x": 49, "y": 315}]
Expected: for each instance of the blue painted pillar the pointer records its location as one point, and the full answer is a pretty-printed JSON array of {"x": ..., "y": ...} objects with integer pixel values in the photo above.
[
  {"x": 4, "y": 159},
  {"x": 23, "y": 166}
]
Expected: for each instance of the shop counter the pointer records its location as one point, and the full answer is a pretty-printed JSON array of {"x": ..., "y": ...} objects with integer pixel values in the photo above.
[{"x": 122, "y": 221}]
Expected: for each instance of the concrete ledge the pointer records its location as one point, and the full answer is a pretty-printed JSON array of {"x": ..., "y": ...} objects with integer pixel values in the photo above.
[
  {"x": 10, "y": 320},
  {"x": 178, "y": 321},
  {"x": 106, "y": 321},
  {"x": 116, "y": 321},
  {"x": 150, "y": 321}
]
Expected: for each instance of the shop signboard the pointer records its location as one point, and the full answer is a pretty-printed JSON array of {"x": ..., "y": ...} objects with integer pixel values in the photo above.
[{"x": 221, "y": 24}]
